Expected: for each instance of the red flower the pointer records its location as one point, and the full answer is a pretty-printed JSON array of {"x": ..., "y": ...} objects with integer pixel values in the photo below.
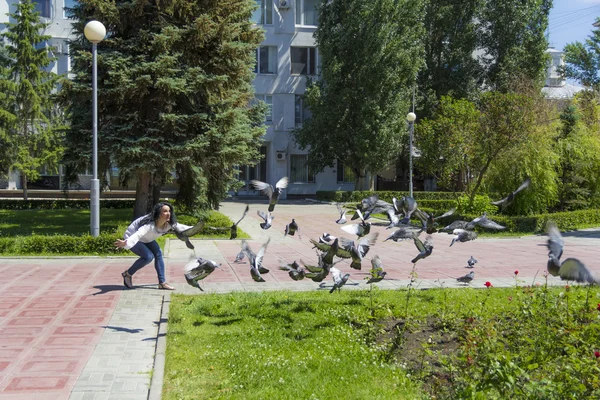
[
  {"x": 598, "y": 308},
  {"x": 597, "y": 354},
  {"x": 488, "y": 284},
  {"x": 517, "y": 272}
]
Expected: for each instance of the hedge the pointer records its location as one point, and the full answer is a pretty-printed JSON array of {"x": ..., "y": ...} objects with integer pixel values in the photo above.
[
  {"x": 61, "y": 244},
  {"x": 59, "y": 204},
  {"x": 357, "y": 195}
]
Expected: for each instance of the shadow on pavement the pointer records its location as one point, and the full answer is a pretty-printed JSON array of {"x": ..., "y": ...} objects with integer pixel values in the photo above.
[
  {"x": 121, "y": 329},
  {"x": 107, "y": 288}
]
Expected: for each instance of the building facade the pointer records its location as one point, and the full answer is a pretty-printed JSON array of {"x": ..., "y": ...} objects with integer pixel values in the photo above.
[{"x": 285, "y": 60}]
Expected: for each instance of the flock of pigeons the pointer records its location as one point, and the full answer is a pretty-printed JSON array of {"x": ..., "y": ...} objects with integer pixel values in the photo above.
[{"x": 331, "y": 249}]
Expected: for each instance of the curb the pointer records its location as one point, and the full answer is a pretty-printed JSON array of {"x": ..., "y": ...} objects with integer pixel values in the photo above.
[{"x": 158, "y": 372}]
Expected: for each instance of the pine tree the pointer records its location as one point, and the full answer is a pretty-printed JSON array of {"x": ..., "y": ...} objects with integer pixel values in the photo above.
[
  {"x": 175, "y": 84},
  {"x": 32, "y": 133}
]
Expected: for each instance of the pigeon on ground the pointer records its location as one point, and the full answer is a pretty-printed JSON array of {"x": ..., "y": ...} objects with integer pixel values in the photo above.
[
  {"x": 471, "y": 262},
  {"x": 272, "y": 194},
  {"x": 292, "y": 228},
  {"x": 467, "y": 278},
  {"x": 508, "y": 200},
  {"x": 425, "y": 249},
  {"x": 233, "y": 228},
  {"x": 342, "y": 219},
  {"x": 356, "y": 250},
  {"x": 184, "y": 232},
  {"x": 571, "y": 269},
  {"x": 239, "y": 257},
  {"x": 294, "y": 269},
  {"x": 377, "y": 272},
  {"x": 268, "y": 218},
  {"x": 463, "y": 235},
  {"x": 198, "y": 269},
  {"x": 339, "y": 280}
]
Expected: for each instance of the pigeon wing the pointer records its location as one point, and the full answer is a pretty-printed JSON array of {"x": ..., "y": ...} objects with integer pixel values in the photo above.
[
  {"x": 574, "y": 270},
  {"x": 262, "y": 215},
  {"x": 264, "y": 187},
  {"x": 261, "y": 252},
  {"x": 352, "y": 229},
  {"x": 282, "y": 183},
  {"x": 555, "y": 241},
  {"x": 244, "y": 214},
  {"x": 194, "y": 230}
]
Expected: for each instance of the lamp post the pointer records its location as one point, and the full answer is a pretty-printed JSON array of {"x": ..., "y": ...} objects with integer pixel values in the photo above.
[
  {"x": 95, "y": 32},
  {"x": 410, "y": 117}
]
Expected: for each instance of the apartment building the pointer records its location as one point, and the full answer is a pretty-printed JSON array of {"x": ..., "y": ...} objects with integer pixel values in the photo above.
[{"x": 286, "y": 58}]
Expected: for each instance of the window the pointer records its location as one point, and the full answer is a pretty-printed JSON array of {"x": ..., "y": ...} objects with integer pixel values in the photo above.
[
  {"x": 68, "y": 4},
  {"x": 301, "y": 111},
  {"x": 263, "y": 15},
  {"x": 299, "y": 171},
  {"x": 43, "y": 7},
  {"x": 344, "y": 173},
  {"x": 268, "y": 99},
  {"x": 266, "y": 60},
  {"x": 306, "y": 12},
  {"x": 304, "y": 60}
]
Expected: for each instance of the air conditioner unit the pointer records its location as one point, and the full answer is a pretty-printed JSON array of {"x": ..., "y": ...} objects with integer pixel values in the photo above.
[
  {"x": 280, "y": 156},
  {"x": 283, "y": 4}
]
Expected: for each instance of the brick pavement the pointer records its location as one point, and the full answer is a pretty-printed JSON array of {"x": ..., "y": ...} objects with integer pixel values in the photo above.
[{"x": 69, "y": 330}]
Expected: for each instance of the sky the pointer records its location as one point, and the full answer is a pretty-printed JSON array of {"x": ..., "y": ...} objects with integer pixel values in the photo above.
[{"x": 571, "y": 21}]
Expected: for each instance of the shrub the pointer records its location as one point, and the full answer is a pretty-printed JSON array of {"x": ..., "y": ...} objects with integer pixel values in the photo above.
[{"x": 58, "y": 204}]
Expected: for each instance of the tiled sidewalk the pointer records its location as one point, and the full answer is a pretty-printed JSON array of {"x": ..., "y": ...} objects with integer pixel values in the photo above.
[{"x": 68, "y": 329}]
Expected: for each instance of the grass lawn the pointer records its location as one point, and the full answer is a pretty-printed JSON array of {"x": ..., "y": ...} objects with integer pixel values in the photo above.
[
  {"x": 55, "y": 232},
  {"x": 494, "y": 343}
]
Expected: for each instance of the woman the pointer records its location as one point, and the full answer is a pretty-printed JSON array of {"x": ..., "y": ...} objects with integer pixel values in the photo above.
[{"x": 140, "y": 237}]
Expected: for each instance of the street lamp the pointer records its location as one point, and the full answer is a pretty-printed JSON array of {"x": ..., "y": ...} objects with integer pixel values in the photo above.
[
  {"x": 410, "y": 117},
  {"x": 95, "y": 32}
]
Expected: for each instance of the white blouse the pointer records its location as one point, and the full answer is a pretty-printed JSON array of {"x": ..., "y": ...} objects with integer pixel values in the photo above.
[{"x": 146, "y": 233}]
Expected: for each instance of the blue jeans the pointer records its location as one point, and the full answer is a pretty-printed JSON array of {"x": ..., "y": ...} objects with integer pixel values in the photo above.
[{"x": 148, "y": 252}]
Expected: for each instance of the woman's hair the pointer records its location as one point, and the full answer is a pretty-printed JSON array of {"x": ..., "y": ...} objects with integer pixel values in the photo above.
[{"x": 153, "y": 216}]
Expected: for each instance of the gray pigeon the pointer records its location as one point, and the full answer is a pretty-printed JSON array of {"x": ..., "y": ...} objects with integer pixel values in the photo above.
[
  {"x": 272, "y": 194},
  {"x": 233, "y": 228},
  {"x": 402, "y": 234},
  {"x": 484, "y": 222},
  {"x": 239, "y": 257},
  {"x": 425, "y": 249},
  {"x": 407, "y": 205},
  {"x": 327, "y": 238},
  {"x": 183, "y": 232},
  {"x": 430, "y": 220},
  {"x": 339, "y": 280},
  {"x": 508, "y": 200},
  {"x": 359, "y": 230},
  {"x": 294, "y": 269},
  {"x": 198, "y": 269},
  {"x": 462, "y": 235},
  {"x": 467, "y": 278},
  {"x": 471, "y": 262},
  {"x": 571, "y": 269},
  {"x": 377, "y": 272},
  {"x": 292, "y": 228},
  {"x": 356, "y": 250},
  {"x": 342, "y": 219},
  {"x": 268, "y": 218},
  {"x": 458, "y": 224},
  {"x": 255, "y": 260},
  {"x": 321, "y": 271}
]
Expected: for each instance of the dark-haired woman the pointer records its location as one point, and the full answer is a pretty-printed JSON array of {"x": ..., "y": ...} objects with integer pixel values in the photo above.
[{"x": 140, "y": 237}]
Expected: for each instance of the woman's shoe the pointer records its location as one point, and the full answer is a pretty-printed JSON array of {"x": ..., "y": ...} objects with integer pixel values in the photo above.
[
  {"x": 127, "y": 280},
  {"x": 165, "y": 286}
]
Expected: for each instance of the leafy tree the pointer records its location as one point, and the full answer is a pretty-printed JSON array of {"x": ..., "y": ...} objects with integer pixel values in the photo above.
[
  {"x": 175, "y": 84},
  {"x": 33, "y": 133},
  {"x": 445, "y": 142},
  {"x": 582, "y": 60},
  {"x": 6, "y": 117},
  {"x": 450, "y": 42},
  {"x": 512, "y": 41},
  {"x": 370, "y": 54}
]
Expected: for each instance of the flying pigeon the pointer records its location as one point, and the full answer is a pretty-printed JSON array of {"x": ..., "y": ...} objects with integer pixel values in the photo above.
[
  {"x": 458, "y": 224},
  {"x": 571, "y": 269},
  {"x": 342, "y": 219},
  {"x": 184, "y": 232},
  {"x": 272, "y": 194},
  {"x": 233, "y": 228},
  {"x": 292, "y": 228},
  {"x": 371, "y": 205},
  {"x": 356, "y": 250},
  {"x": 484, "y": 222},
  {"x": 403, "y": 234},
  {"x": 327, "y": 238},
  {"x": 255, "y": 260},
  {"x": 425, "y": 249},
  {"x": 319, "y": 273},
  {"x": 339, "y": 280},
  {"x": 467, "y": 278},
  {"x": 359, "y": 230},
  {"x": 377, "y": 272},
  {"x": 294, "y": 269},
  {"x": 508, "y": 200},
  {"x": 268, "y": 218},
  {"x": 471, "y": 262},
  {"x": 407, "y": 205},
  {"x": 198, "y": 269},
  {"x": 463, "y": 235},
  {"x": 430, "y": 220}
]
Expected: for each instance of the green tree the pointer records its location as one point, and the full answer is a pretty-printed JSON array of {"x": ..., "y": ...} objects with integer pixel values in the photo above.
[
  {"x": 370, "y": 54},
  {"x": 512, "y": 41},
  {"x": 30, "y": 119},
  {"x": 445, "y": 142},
  {"x": 582, "y": 60},
  {"x": 175, "y": 84}
]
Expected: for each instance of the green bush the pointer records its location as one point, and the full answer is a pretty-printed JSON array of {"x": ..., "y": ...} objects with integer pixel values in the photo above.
[
  {"x": 357, "y": 196},
  {"x": 59, "y": 204},
  {"x": 60, "y": 244},
  {"x": 481, "y": 204}
]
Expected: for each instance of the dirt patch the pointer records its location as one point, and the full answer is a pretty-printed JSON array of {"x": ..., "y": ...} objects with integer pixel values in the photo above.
[{"x": 421, "y": 349}]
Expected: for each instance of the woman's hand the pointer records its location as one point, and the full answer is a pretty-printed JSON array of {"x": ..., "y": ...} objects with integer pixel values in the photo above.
[{"x": 120, "y": 243}]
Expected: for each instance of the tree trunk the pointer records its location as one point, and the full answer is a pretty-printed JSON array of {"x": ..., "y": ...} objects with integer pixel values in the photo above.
[
  {"x": 142, "y": 195},
  {"x": 364, "y": 181},
  {"x": 157, "y": 181},
  {"x": 24, "y": 183}
]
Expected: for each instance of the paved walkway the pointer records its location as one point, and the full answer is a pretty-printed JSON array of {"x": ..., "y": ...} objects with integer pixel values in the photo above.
[{"x": 69, "y": 330}]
